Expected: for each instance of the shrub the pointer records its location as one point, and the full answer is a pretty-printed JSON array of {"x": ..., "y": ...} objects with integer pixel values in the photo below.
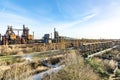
[
  {"x": 97, "y": 67},
  {"x": 117, "y": 73},
  {"x": 75, "y": 70}
]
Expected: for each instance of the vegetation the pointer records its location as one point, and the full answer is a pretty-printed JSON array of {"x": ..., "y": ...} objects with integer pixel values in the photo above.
[
  {"x": 117, "y": 73},
  {"x": 98, "y": 67},
  {"x": 78, "y": 69},
  {"x": 16, "y": 72},
  {"x": 7, "y": 60},
  {"x": 75, "y": 69},
  {"x": 85, "y": 55}
]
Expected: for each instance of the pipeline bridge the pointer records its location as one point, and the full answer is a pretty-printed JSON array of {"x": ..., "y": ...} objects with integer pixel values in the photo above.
[{"x": 85, "y": 46}]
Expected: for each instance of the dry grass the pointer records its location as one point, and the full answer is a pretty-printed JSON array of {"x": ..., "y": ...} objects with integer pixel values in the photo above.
[
  {"x": 75, "y": 69},
  {"x": 13, "y": 50},
  {"x": 16, "y": 72},
  {"x": 105, "y": 64}
]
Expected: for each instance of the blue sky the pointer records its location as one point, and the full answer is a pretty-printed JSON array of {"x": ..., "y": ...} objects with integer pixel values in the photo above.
[{"x": 73, "y": 18}]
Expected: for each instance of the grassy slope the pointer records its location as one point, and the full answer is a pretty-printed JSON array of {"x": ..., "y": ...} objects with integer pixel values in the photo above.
[{"x": 75, "y": 69}]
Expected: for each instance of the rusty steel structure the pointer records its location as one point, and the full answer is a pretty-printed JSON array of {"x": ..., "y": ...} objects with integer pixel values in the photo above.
[
  {"x": 26, "y": 37},
  {"x": 11, "y": 38},
  {"x": 62, "y": 42}
]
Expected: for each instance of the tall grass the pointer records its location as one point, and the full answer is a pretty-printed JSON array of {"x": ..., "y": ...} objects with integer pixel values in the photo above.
[
  {"x": 75, "y": 69},
  {"x": 16, "y": 72}
]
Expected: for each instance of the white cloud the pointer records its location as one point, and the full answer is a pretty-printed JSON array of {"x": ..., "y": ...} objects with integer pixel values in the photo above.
[
  {"x": 63, "y": 26},
  {"x": 17, "y": 21},
  {"x": 106, "y": 25}
]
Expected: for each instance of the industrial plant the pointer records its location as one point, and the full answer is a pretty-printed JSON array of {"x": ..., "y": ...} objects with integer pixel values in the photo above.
[
  {"x": 38, "y": 56},
  {"x": 11, "y": 38}
]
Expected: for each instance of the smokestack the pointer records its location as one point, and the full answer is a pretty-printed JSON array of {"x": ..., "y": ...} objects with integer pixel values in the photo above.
[
  {"x": 33, "y": 35},
  {"x": 23, "y": 25},
  {"x": 54, "y": 29},
  {"x": 51, "y": 35},
  {"x": 54, "y": 32}
]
